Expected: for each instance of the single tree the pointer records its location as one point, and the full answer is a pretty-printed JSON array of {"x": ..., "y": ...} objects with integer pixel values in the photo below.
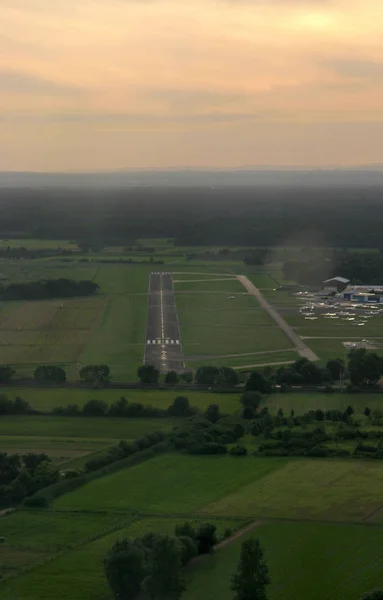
[
  {"x": 187, "y": 377},
  {"x": 251, "y": 399},
  {"x": 6, "y": 374},
  {"x": 125, "y": 569},
  {"x": 148, "y": 374},
  {"x": 367, "y": 411},
  {"x": 206, "y": 538},
  {"x": 227, "y": 376},
  {"x": 374, "y": 595},
  {"x": 258, "y": 383},
  {"x": 337, "y": 368},
  {"x": 164, "y": 580},
  {"x": 252, "y": 575},
  {"x": 171, "y": 377},
  {"x": 212, "y": 413},
  {"x": 206, "y": 375},
  {"x": 180, "y": 407}
]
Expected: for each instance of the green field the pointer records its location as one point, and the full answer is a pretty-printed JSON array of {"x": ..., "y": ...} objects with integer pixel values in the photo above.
[
  {"x": 310, "y": 561},
  {"x": 195, "y": 483},
  {"x": 251, "y": 488},
  {"x": 81, "y": 565},
  {"x": 68, "y": 439}
]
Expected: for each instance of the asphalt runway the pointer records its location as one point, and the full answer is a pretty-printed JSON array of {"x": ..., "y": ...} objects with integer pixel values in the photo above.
[{"x": 163, "y": 347}]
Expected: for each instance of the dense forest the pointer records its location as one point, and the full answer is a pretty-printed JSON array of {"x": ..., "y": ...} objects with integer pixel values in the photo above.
[{"x": 270, "y": 216}]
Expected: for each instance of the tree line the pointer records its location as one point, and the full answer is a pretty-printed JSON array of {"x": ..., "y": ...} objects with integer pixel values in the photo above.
[
  {"x": 44, "y": 289},
  {"x": 226, "y": 216}
]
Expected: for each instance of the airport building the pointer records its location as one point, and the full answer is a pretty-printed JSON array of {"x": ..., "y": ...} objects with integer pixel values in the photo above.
[
  {"x": 363, "y": 293},
  {"x": 335, "y": 284}
]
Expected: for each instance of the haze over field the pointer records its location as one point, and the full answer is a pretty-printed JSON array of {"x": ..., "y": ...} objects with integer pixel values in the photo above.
[{"x": 94, "y": 85}]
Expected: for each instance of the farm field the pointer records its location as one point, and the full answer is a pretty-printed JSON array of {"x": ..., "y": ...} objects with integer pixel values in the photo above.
[
  {"x": 251, "y": 488},
  {"x": 298, "y": 555},
  {"x": 67, "y": 439},
  {"x": 82, "y": 565},
  {"x": 196, "y": 482},
  {"x": 281, "y": 495}
]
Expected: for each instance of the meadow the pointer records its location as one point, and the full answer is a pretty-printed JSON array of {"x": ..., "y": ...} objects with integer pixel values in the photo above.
[
  {"x": 251, "y": 488},
  {"x": 306, "y": 560}
]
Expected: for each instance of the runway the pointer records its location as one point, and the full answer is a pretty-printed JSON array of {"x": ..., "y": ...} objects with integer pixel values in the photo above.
[{"x": 163, "y": 347}]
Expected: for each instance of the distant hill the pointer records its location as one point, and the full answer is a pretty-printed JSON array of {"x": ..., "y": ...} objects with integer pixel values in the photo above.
[{"x": 362, "y": 176}]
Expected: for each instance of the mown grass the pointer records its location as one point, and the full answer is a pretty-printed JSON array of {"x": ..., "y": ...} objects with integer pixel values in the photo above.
[
  {"x": 248, "y": 361},
  {"x": 81, "y": 427},
  {"x": 310, "y": 561},
  {"x": 227, "y": 284},
  {"x": 170, "y": 484},
  {"x": 305, "y": 489}
]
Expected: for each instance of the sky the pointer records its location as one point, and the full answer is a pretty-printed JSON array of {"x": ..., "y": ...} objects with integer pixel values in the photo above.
[{"x": 127, "y": 84}]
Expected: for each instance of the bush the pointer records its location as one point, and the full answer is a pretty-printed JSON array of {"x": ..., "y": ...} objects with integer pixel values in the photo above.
[
  {"x": 95, "y": 373},
  {"x": 37, "y": 502},
  {"x": 206, "y": 538},
  {"x": 95, "y": 408},
  {"x": 238, "y": 451},
  {"x": 171, "y": 377},
  {"x": 50, "y": 373}
]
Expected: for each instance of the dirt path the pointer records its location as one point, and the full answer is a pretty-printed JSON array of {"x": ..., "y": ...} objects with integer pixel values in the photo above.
[
  {"x": 302, "y": 348},
  {"x": 227, "y": 542},
  {"x": 237, "y": 535}
]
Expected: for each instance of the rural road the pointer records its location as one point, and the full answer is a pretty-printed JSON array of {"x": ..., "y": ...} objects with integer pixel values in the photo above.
[
  {"x": 163, "y": 347},
  {"x": 302, "y": 349}
]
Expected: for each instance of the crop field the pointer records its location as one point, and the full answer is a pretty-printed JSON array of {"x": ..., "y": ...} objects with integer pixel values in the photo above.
[
  {"x": 196, "y": 482},
  {"x": 298, "y": 555},
  {"x": 251, "y": 488},
  {"x": 280, "y": 495},
  {"x": 71, "y": 440},
  {"x": 81, "y": 558}
]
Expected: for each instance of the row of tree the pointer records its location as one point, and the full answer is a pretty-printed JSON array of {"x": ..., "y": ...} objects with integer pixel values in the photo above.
[{"x": 47, "y": 289}]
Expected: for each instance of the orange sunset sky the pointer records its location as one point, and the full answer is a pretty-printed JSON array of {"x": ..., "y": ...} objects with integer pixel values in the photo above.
[{"x": 110, "y": 84}]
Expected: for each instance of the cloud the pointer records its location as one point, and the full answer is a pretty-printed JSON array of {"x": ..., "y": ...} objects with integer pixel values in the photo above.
[
  {"x": 24, "y": 83},
  {"x": 19, "y": 82},
  {"x": 357, "y": 69}
]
